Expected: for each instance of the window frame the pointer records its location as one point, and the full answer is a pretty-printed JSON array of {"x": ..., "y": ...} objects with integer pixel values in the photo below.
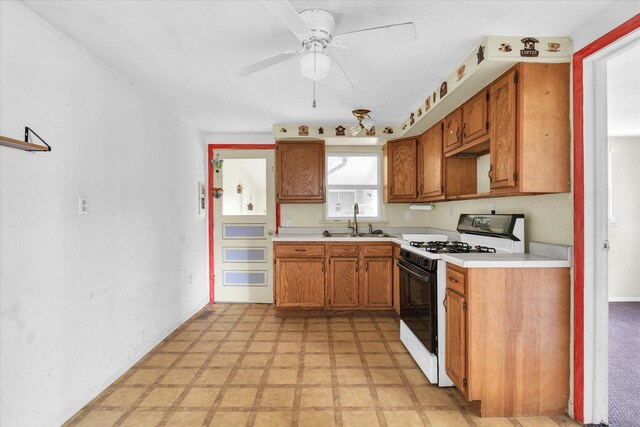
[{"x": 378, "y": 186}]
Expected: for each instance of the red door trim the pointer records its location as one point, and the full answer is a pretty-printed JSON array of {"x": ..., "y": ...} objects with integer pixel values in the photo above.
[
  {"x": 210, "y": 150},
  {"x": 578, "y": 205}
]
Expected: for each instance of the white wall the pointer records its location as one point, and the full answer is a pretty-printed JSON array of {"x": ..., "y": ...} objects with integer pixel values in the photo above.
[
  {"x": 621, "y": 12},
  {"x": 83, "y": 297},
  {"x": 624, "y": 231}
]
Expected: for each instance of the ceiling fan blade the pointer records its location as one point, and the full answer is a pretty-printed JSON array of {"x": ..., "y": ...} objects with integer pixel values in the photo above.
[
  {"x": 342, "y": 70},
  {"x": 266, "y": 63},
  {"x": 396, "y": 33},
  {"x": 288, "y": 16}
]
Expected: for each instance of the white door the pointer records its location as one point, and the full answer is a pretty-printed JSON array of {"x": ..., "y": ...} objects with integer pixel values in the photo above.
[{"x": 244, "y": 221}]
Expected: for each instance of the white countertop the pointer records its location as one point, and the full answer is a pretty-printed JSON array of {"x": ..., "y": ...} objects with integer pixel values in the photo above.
[{"x": 476, "y": 260}]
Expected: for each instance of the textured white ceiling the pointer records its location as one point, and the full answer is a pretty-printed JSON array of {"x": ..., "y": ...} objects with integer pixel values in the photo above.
[
  {"x": 623, "y": 93},
  {"x": 184, "y": 53}
]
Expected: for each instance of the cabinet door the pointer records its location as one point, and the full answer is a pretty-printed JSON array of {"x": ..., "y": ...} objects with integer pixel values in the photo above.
[
  {"x": 401, "y": 170},
  {"x": 430, "y": 160},
  {"x": 300, "y": 282},
  {"x": 453, "y": 130},
  {"x": 344, "y": 282},
  {"x": 456, "y": 337},
  {"x": 502, "y": 171},
  {"x": 475, "y": 120},
  {"x": 300, "y": 172},
  {"x": 378, "y": 277}
]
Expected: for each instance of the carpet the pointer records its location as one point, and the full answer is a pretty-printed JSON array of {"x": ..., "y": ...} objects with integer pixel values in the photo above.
[{"x": 624, "y": 364}]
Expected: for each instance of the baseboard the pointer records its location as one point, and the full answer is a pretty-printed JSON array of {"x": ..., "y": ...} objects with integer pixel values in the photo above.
[
  {"x": 624, "y": 299},
  {"x": 93, "y": 391}
]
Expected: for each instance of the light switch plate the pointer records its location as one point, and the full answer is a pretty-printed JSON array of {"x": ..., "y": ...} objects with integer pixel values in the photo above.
[
  {"x": 407, "y": 215},
  {"x": 83, "y": 207}
]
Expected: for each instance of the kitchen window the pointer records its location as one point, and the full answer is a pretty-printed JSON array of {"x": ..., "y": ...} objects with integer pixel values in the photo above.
[{"x": 353, "y": 178}]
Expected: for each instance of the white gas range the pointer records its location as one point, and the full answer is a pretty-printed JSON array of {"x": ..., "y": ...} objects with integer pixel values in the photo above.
[{"x": 423, "y": 283}]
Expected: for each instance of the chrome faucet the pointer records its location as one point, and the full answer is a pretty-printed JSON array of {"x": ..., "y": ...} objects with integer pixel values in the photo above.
[{"x": 356, "y": 211}]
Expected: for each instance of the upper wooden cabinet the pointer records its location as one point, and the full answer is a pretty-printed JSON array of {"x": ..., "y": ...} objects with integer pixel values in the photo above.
[
  {"x": 400, "y": 170},
  {"x": 453, "y": 130},
  {"x": 300, "y": 172},
  {"x": 431, "y": 164},
  {"x": 529, "y": 130},
  {"x": 475, "y": 118}
]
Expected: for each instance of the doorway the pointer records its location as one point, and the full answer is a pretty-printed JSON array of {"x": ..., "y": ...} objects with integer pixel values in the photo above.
[
  {"x": 623, "y": 273},
  {"x": 243, "y": 215}
]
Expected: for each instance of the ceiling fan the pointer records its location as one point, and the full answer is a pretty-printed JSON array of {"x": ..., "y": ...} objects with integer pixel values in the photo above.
[{"x": 314, "y": 29}]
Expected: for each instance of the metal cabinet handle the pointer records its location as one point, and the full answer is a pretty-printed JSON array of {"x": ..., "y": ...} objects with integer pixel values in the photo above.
[
  {"x": 464, "y": 130},
  {"x": 301, "y": 250},
  {"x": 451, "y": 279},
  {"x": 458, "y": 135},
  {"x": 489, "y": 173},
  {"x": 444, "y": 302}
]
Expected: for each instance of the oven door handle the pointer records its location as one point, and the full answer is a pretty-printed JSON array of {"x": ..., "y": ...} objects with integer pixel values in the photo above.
[{"x": 424, "y": 275}]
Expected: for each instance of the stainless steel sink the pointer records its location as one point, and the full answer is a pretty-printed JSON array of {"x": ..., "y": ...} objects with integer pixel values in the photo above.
[{"x": 328, "y": 234}]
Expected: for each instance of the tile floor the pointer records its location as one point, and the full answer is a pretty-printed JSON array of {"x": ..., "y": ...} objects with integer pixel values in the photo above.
[{"x": 237, "y": 365}]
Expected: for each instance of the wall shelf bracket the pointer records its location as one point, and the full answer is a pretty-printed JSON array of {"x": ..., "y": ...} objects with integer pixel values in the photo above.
[{"x": 25, "y": 145}]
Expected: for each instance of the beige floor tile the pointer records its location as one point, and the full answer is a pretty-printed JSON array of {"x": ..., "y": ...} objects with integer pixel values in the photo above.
[
  {"x": 396, "y": 346},
  {"x": 247, "y": 376},
  {"x": 123, "y": 396},
  {"x": 433, "y": 396},
  {"x": 317, "y": 325},
  {"x": 213, "y": 336},
  {"x": 317, "y": 347},
  {"x": 536, "y": 421},
  {"x": 359, "y": 419},
  {"x": 250, "y": 319},
  {"x": 402, "y": 418},
  {"x": 213, "y": 376},
  {"x": 289, "y": 360},
  {"x": 187, "y": 336},
  {"x": 175, "y": 346},
  {"x": 369, "y": 336},
  {"x": 230, "y": 419},
  {"x": 317, "y": 336},
  {"x": 345, "y": 347},
  {"x": 385, "y": 376},
  {"x": 277, "y": 397},
  {"x": 180, "y": 376},
  {"x": 316, "y": 397},
  {"x": 162, "y": 396},
  {"x": 239, "y": 397},
  {"x": 96, "y": 418},
  {"x": 221, "y": 327},
  {"x": 405, "y": 361},
  {"x": 144, "y": 376},
  {"x": 160, "y": 360},
  {"x": 288, "y": 347},
  {"x": 192, "y": 360},
  {"x": 388, "y": 326},
  {"x": 282, "y": 376},
  {"x": 293, "y": 327},
  {"x": 343, "y": 336},
  {"x": 257, "y": 360},
  {"x": 269, "y": 327},
  {"x": 203, "y": 347},
  {"x": 291, "y": 336},
  {"x": 324, "y": 418},
  {"x": 351, "y": 376},
  {"x": 491, "y": 422},
  {"x": 265, "y": 336},
  {"x": 394, "y": 396},
  {"x": 348, "y": 360},
  {"x": 186, "y": 419},
  {"x": 322, "y": 360},
  {"x": 355, "y": 397},
  {"x": 379, "y": 360},
  {"x": 200, "y": 397},
  {"x": 239, "y": 336},
  {"x": 273, "y": 419},
  {"x": 362, "y": 327},
  {"x": 224, "y": 360},
  {"x": 261, "y": 347},
  {"x": 446, "y": 419},
  {"x": 373, "y": 347},
  {"x": 232, "y": 346},
  {"x": 141, "y": 417},
  {"x": 246, "y": 327},
  {"x": 316, "y": 376},
  {"x": 415, "y": 376}
]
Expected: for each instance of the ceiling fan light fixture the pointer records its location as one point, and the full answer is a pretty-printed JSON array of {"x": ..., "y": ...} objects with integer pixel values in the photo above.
[
  {"x": 315, "y": 66},
  {"x": 367, "y": 123},
  {"x": 355, "y": 130}
]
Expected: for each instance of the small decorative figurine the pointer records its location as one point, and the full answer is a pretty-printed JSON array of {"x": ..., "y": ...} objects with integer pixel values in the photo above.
[
  {"x": 388, "y": 131},
  {"x": 480, "y": 54},
  {"x": 427, "y": 104},
  {"x": 419, "y": 112},
  {"x": 443, "y": 89},
  {"x": 320, "y": 131},
  {"x": 303, "y": 130},
  {"x": 217, "y": 192},
  {"x": 239, "y": 189},
  {"x": 371, "y": 132},
  {"x": 529, "y": 49},
  {"x": 217, "y": 163},
  {"x": 460, "y": 72},
  {"x": 411, "y": 119},
  {"x": 283, "y": 130},
  {"x": 553, "y": 47},
  {"x": 504, "y": 47},
  {"x": 340, "y": 130}
]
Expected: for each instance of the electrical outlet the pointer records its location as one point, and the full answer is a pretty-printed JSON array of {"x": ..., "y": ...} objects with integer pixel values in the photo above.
[
  {"x": 450, "y": 211},
  {"x": 407, "y": 215},
  {"x": 190, "y": 279},
  {"x": 83, "y": 207},
  {"x": 286, "y": 223}
]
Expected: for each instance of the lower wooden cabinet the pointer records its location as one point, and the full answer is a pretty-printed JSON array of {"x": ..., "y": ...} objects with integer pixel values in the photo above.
[
  {"x": 343, "y": 282},
  {"x": 359, "y": 276},
  {"x": 507, "y": 330},
  {"x": 299, "y": 282},
  {"x": 378, "y": 277},
  {"x": 456, "y": 342}
]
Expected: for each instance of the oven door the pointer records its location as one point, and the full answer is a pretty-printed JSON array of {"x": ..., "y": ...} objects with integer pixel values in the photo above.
[{"x": 418, "y": 303}]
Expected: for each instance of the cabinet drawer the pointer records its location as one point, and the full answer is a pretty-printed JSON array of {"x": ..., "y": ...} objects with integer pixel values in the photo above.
[
  {"x": 378, "y": 250},
  {"x": 456, "y": 280},
  {"x": 300, "y": 250},
  {"x": 343, "y": 251}
]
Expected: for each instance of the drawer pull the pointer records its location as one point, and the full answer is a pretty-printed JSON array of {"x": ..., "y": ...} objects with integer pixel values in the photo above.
[
  {"x": 451, "y": 279},
  {"x": 301, "y": 250}
]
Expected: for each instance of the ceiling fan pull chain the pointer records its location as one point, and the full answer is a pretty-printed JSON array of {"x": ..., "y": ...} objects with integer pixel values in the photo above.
[{"x": 314, "y": 94}]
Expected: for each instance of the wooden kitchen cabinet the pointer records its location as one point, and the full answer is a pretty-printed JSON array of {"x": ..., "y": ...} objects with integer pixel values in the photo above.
[
  {"x": 378, "y": 279},
  {"x": 343, "y": 284},
  {"x": 400, "y": 170},
  {"x": 456, "y": 342},
  {"x": 300, "y": 282},
  {"x": 431, "y": 164},
  {"x": 475, "y": 118},
  {"x": 300, "y": 172},
  {"x": 529, "y": 130},
  {"x": 453, "y": 130},
  {"x": 508, "y": 329}
]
